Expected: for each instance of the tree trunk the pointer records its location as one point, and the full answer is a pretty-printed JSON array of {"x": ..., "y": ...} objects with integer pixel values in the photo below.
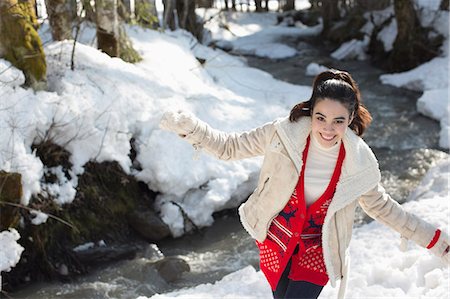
[
  {"x": 107, "y": 27},
  {"x": 411, "y": 44},
  {"x": 205, "y": 3},
  {"x": 188, "y": 19},
  {"x": 444, "y": 5},
  {"x": 330, "y": 13},
  {"x": 290, "y": 5},
  {"x": 169, "y": 14},
  {"x": 258, "y": 5},
  {"x": 124, "y": 10},
  {"x": 60, "y": 15},
  {"x": 365, "y": 5},
  {"x": 126, "y": 50},
  {"x": 88, "y": 10},
  {"x": 146, "y": 14},
  {"x": 20, "y": 44}
]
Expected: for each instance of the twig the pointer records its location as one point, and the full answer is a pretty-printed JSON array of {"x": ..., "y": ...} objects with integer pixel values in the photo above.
[
  {"x": 77, "y": 31},
  {"x": 31, "y": 209},
  {"x": 185, "y": 215}
]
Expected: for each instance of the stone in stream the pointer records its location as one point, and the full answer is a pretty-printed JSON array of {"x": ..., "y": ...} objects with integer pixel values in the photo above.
[
  {"x": 148, "y": 225},
  {"x": 171, "y": 268}
]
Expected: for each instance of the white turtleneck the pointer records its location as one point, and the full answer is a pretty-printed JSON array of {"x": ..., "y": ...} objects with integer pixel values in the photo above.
[{"x": 319, "y": 168}]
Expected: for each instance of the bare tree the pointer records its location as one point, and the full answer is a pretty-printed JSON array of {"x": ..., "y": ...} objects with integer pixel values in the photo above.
[
  {"x": 290, "y": 5},
  {"x": 205, "y": 3},
  {"x": 330, "y": 14},
  {"x": 20, "y": 43},
  {"x": 365, "y": 5},
  {"x": 88, "y": 10},
  {"x": 188, "y": 19},
  {"x": 61, "y": 15},
  {"x": 411, "y": 44},
  {"x": 169, "y": 14},
  {"x": 107, "y": 27}
]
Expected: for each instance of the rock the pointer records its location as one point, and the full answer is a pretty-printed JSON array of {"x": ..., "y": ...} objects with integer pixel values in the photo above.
[
  {"x": 171, "y": 268},
  {"x": 148, "y": 225},
  {"x": 10, "y": 192},
  {"x": 104, "y": 254}
]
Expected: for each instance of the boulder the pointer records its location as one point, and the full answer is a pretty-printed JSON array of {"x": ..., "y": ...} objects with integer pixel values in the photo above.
[{"x": 147, "y": 224}]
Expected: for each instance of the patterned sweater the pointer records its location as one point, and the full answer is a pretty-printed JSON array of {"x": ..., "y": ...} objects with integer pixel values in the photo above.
[{"x": 297, "y": 225}]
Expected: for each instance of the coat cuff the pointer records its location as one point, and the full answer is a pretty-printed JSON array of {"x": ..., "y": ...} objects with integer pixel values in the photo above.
[{"x": 433, "y": 242}]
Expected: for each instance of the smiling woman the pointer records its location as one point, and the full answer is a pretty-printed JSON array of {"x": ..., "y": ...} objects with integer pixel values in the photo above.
[{"x": 316, "y": 169}]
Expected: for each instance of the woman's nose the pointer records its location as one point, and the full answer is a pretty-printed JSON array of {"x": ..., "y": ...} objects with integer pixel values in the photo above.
[{"x": 328, "y": 127}]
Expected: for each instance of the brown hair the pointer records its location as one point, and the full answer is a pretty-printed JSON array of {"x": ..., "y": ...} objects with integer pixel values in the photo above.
[{"x": 337, "y": 86}]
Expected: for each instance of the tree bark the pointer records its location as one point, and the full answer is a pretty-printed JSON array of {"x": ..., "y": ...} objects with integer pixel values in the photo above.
[
  {"x": 365, "y": 5},
  {"x": 107, "y": 27},
  {"x": 405, "y": 54},
  {"x": 290, "y": 5},
  {"x": 20, "y": 43},
  {"x": 205, "y": 3},
  {"x": 169, "y": 14},
  {"x": 188, "y": 19},
  {"x": 88, "y": 10},
  {"x": 60, "y": 15},
  {"x": 258, "y": 5},
  {"x": 330, "y": 13}
]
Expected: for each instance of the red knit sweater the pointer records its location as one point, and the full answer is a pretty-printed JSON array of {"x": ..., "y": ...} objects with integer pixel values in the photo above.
[{"x": 298, "y": 225}]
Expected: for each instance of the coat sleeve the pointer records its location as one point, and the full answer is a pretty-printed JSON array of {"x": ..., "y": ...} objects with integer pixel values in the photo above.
[
  {"x": 231, "y": 146},
  {"x": 380, "y": 206}
]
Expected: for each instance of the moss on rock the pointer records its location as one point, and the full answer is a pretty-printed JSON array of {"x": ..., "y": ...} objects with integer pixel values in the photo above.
[{"x": 22, "y": 45}]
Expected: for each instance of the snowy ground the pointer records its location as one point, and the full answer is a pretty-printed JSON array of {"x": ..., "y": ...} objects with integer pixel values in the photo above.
[{"x": 94, "y": 111}]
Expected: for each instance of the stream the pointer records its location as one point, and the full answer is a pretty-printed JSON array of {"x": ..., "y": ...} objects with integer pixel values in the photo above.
[{"x": 405, "y": 142}]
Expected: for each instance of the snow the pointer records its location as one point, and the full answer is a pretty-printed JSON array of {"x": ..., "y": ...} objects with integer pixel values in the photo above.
[
  {"x": 254, "y": 33},
  {"x": 84, "y": 247},
  {"x": 313, "y": 69},
  {"x": 38, "y": 217},
  {"x": 387, "y": 35},
  {"x": 353, "y": 49},
  {"x": 11, "y": 250},
  {"x": 378, "y": 267}
]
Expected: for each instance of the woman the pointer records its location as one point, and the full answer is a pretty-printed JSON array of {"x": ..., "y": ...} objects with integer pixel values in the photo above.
[{"x": 316, "y": 169}]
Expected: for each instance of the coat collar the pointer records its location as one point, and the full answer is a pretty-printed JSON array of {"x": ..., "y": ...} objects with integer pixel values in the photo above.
[{"x": 360, "y": 172}]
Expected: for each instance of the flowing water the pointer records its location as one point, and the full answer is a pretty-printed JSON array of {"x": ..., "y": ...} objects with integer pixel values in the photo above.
[{"x": 405, "y": 142}]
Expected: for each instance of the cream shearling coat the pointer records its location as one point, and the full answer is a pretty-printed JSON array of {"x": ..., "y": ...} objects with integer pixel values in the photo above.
[{"x": 282, "y": 143}]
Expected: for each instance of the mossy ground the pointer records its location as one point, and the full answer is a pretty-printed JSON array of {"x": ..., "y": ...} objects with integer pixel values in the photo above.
[{"x": 105, "y": 196}]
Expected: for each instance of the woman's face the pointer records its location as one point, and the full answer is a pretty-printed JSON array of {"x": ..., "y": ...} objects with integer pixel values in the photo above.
[{"x": 330, "y": 119}]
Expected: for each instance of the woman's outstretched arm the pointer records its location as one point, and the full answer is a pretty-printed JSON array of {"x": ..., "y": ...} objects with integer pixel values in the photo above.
[
  {"x": 380, "y": 206},
  {"x": 225, "y": 146}
]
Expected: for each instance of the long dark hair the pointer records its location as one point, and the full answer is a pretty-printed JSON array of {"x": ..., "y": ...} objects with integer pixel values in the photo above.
[{"x": 337, "y": 86}]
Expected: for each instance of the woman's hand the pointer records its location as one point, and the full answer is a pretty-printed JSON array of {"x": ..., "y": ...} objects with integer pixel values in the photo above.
[{"x": 180, "y": 122}]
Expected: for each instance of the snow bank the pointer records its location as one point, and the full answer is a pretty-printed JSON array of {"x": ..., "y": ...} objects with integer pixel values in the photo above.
[
  {"x": 11, "y": 250},
  {"x": 254, "y": 33},
  {"x": 378, "y": 268}
]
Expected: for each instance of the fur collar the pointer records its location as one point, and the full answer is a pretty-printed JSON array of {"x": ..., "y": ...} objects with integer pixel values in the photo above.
[{"x": 360, "y": 172}]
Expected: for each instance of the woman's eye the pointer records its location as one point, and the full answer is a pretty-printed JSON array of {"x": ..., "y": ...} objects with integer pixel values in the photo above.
[
  {"x": 340, "y": 121},
  {"x": 320, "y": 118}
]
